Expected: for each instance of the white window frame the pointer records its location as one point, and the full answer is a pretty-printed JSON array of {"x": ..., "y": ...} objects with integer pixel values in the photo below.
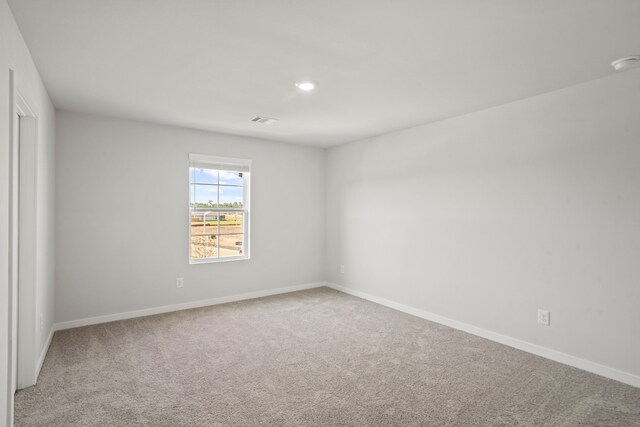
[{"x": 228, "y": 164}]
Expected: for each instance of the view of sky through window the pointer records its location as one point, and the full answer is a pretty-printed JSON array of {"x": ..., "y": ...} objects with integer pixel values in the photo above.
[{"x": 214, "y": 188}]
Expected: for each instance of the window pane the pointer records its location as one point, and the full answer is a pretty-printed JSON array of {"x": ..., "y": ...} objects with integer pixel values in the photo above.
[
  {"x": 204, "y": 195},
  {"x": 204, "y": 247},
  {"x": 231, "y": 197},
  {"x": 204, "y": 221},
  {"x": 231, "y": 222},
  {"x": 204, "y": 176},
  {"x": 231, "y": 245},
  {"x": 231, "y": 178}
]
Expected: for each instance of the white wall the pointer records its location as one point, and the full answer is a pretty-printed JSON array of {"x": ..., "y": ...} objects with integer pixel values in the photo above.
[
  {"x": 15, "y": 55},
  {"x": 122, "y": 209},
  {"x": 487, "y": 217}
]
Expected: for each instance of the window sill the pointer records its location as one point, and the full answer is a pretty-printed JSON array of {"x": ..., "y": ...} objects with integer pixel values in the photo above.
[{"x": 217, "y": 260}]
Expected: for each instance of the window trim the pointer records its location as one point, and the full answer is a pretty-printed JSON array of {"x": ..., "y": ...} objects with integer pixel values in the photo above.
[{"x": 228, "y": 164}]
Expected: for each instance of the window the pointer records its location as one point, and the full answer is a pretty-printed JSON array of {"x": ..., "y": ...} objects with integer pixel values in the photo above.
[{"x": 218, "y": 208}]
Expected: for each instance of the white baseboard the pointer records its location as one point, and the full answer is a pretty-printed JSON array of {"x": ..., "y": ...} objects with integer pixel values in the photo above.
[
  {"x": 182, "y": 306},
  {"x": 538, "y": 350},
  {"x": 43, "y": 353}
]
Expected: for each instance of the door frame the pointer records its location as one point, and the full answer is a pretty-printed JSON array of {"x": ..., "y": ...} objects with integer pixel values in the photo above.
[
  {"x": 22, "y": 243},
  {"x": 28, "y": 254}
]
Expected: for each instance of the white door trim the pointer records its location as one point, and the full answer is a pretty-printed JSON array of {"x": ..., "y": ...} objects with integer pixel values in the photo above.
[
  {"x": 22, "y": 246},
  {"x": 8, "y": 321},
  {"x": 27, "y": 313}
]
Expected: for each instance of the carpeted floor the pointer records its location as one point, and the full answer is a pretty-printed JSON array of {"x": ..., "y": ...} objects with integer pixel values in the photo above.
[{"x": 318, "y": 358}]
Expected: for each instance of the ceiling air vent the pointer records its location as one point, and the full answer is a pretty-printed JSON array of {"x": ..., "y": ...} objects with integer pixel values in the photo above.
[{"x": 264, "y": 120}]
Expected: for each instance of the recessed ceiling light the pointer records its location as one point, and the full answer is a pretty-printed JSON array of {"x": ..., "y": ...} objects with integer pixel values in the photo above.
[
  {"x": 306, "y": 86},
  {"x": 625, "y": 63}
]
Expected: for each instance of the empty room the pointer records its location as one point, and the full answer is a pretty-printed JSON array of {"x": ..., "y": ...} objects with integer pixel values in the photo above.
[{"x": 320, "y": 213}]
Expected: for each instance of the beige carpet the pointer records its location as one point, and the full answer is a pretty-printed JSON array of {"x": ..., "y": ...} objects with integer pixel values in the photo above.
[{"x": 317, "y": 358}]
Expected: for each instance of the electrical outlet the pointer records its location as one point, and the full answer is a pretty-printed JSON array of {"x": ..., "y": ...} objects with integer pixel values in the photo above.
[
  {"x": 543, "y": 317},
  {"x": 342, "y": 269},
  {"x": 179, "y": 282}
]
